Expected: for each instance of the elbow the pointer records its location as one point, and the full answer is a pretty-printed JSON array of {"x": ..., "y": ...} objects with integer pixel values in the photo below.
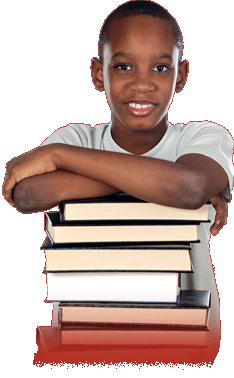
[
  {"x": 194, "y": 193},
  {"x": 24, "y": 198}
]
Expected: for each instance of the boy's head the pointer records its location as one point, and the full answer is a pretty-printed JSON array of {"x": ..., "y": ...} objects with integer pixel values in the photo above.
[
  {"x": 139, "y": 69},
  {"x": 138, "y": 8}
]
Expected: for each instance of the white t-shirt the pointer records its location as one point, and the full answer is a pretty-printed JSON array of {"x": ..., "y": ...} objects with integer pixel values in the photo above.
[{"x": 204, "y": 138}]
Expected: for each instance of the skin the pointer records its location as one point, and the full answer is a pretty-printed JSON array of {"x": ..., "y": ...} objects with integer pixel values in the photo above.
[{"x": 141, "y": 67}]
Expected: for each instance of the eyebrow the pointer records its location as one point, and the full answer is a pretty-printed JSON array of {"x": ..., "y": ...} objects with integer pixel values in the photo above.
[{"x": 158, "y": 56}]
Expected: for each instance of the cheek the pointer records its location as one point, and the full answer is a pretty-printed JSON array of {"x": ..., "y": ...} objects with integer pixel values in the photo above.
[
  {"x": 169, "y": 100},
  {"x": 114, "y": 91},
  {"x": 168, "y": 90}
]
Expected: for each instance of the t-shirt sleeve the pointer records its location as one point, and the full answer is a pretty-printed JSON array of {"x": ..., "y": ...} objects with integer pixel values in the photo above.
[
  {"x": 72, "y": 134},
  {"x": 211, "y": 140}
]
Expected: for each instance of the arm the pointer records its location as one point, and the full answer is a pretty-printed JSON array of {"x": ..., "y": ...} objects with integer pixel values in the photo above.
[
  {"x": 41, "y": 192},
  {"x": 188, "y": 183},
  {"x": 221, "y": 214}
]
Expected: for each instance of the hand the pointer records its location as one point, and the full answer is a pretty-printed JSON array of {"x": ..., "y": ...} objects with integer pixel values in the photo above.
[
  {"x": 32, "y": 163},
  {"x": 221, "y": 214}
]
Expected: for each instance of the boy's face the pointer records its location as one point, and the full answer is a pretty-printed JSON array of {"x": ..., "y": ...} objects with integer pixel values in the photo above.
[{"x": 140, "y": 72}]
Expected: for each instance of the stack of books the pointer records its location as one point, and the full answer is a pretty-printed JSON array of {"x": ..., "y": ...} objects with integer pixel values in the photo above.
[{"x": 113, "y": 267}]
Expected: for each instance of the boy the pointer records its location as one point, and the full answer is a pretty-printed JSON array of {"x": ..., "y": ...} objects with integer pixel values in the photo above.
[{"x": 140, "y": 153}]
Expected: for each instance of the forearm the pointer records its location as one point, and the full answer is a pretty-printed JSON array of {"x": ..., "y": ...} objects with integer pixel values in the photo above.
[
  {"x": 42, "y": 192},
  {"x": 188, "y": 183},
  {"x": 150, "y": 179}
]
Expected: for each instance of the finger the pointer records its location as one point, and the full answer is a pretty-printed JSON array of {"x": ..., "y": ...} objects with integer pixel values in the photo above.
[
  {"x": 220, "y": 220},
  {"x": 7, "y": 189},
  {"x": 215, "y": 228}
]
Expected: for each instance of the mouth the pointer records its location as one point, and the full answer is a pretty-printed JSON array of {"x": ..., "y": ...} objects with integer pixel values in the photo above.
[{"x": 140, "y": 108}]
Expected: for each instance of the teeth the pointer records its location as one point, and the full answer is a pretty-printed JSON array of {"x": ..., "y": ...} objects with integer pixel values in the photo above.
[{"x": 138, "y": 106}]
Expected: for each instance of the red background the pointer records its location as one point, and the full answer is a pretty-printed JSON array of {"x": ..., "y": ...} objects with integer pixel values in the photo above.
[{"x": 46, "y": 55}]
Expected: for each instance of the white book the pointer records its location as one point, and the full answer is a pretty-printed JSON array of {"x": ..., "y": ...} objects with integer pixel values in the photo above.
[{"x": 114, "y": 286}]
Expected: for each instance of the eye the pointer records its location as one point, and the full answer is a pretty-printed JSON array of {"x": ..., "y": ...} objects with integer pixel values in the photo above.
[
  {"x": 123, "y": 67},
  {"x": 161, "y": 68}
]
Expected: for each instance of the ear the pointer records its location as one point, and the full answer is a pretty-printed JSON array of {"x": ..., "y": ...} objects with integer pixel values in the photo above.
[
  {"x": 182, "y": 76},
  {"x": 97, "y": 74}
]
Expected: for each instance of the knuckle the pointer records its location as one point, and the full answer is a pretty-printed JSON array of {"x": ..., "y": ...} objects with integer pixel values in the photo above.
[{"x": 5, "y": 189}]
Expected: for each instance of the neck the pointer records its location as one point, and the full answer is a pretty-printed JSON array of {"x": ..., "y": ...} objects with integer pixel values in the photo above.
[{"x": 138, "y": 142}]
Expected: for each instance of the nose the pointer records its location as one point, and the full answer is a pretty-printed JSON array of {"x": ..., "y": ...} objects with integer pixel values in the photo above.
[{"x": 142, "y": 83}]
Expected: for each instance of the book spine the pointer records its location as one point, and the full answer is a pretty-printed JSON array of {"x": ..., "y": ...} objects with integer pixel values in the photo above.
[
  {"x": 61, "y": 211},
  {"x": 60, "y": 313}
]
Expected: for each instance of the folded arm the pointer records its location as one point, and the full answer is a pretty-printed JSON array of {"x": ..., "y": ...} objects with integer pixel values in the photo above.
[
  {"x": 42, "y": 192},
  {"x": 189, "y": 183}
]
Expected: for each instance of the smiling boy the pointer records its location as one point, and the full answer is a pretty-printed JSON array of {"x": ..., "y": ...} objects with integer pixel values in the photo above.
[
  {"x": 139, "y": 152},
  {"x": 141, "y": 74}
]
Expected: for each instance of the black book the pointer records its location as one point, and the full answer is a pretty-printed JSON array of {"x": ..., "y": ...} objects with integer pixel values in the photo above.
[{"x": 121, "y": 231}]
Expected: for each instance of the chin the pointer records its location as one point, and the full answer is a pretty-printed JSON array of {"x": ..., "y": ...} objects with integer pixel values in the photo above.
[{"x": 142, "y": 127}]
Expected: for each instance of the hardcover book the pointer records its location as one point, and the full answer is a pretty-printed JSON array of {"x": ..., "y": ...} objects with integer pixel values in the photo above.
[
  {"x": 192, "y": 309},
  {"x": 118, "y": 232},
  {"x": 157, "y": 257},
  {"x": 114, "y": 287},
  {"x": 150, "y": 336},
  {"x": 176, "y": 345},
  {"x": 123, "y": 206}
]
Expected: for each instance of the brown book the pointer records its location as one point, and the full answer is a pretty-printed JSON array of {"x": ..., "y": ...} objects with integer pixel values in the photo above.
[
  {"x": 127, "y": 336},
  {"x": 178, "y": 345},
  {"x": 192, "y": 309}
]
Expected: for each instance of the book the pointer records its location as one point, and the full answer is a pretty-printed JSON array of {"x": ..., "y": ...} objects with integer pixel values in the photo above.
[
  {"x": 192, "y": 309},
  {"x": 171, "y": 346},
  {"x": 123, "y": 206},
  {"x": 70, "y": 335},
  {"x": 114, "y": 287},
  {"x": 157, "y": 257},
  {"x": 118, "y": 232}
]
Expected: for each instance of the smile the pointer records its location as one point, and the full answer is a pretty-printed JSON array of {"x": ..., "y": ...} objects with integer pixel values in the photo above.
[
  {"x": 139, "y": 106},
  {"x": 140, "y": 109}
]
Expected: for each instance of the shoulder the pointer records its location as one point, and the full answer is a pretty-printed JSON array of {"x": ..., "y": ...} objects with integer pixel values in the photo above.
[
  {"x": 77, "y": 134},
  {"x": 204, "y": 136},
  {"x": 203, "y": 128}
]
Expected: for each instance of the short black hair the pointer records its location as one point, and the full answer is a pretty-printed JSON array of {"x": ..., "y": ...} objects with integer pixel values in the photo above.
[{"x": 137, "y": 8}]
